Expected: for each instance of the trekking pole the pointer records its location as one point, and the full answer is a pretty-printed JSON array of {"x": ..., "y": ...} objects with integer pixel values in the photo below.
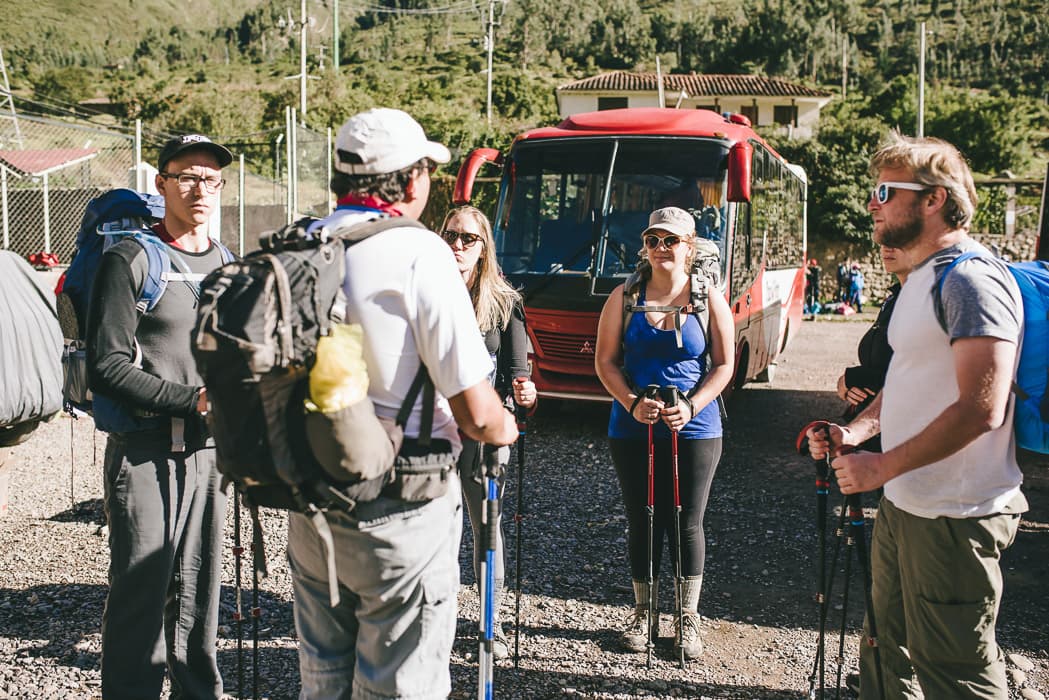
[
  {"x": 856, "y": 525},
  {"x": 822, "y": 486},
  {"x": 651, "y": 392},
  {"x": 72, "y": 468},
  {"x": 669, "y": 394},
  {"x": 519, "y": 512},
  {"x": 489, "y": 534},
  {"x": 238, "y": 617},
  {"x": 256, "y": 611}
]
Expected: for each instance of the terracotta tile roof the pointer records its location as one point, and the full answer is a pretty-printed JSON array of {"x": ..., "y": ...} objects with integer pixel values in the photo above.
[{"x": 695, "y": 85}]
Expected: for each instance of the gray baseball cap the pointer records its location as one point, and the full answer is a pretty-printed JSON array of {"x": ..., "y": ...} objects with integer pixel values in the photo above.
[{"x": 671, "y": 220}]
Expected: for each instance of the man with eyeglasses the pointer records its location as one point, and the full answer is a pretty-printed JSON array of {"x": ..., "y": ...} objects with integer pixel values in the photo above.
[
  {"x": 952, "y": 499},
  {"x": 164, "y": 500},
  {"x": 396, "y": 557}
]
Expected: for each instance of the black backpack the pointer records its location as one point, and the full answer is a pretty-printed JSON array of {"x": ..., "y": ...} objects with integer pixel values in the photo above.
[{"x": 255, "y": 341}]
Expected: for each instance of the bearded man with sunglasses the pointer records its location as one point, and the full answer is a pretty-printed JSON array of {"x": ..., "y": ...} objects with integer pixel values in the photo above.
[
  {"x": 164, "y": 500},
  {"x": 952, "y": 499},
  {"x": 396, "y": 556}
]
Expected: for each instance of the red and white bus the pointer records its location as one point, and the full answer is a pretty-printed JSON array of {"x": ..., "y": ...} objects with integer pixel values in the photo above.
[{"x": 574, "y": 199}]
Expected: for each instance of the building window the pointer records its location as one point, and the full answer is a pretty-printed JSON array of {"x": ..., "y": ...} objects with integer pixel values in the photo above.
[
  {"x": 712, "y": 108},
  {"x": 750, "y": 112},
  {"x": 604, "y": 103},
  {"x": 785, "y": 114}
]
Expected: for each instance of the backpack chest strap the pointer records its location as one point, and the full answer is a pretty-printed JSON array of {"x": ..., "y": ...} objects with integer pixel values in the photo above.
[{"x": 676, "y": 310}]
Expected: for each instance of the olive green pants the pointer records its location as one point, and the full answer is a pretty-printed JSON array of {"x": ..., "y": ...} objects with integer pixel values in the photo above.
[{"x": 936, "y": 588}]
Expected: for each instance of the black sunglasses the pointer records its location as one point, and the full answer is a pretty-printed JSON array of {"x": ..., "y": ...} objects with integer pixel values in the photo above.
[
  {"x": 468, "y": 239},
  {"x": 652, "y": 241}
]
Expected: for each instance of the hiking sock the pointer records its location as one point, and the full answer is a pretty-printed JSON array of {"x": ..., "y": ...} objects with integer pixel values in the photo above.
[{"x": 691, "y": 586}]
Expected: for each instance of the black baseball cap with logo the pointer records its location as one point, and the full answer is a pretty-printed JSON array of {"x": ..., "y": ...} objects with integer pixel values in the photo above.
[{"x": 190, "y": 142}]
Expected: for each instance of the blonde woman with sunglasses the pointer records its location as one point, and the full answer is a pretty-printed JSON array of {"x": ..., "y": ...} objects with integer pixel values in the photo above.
[
  {"x": 650, "y": 351},
  {"x": 500, "y": 319}
]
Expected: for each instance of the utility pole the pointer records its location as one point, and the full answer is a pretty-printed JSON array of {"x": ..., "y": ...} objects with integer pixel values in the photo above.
[
  {"x": 7, "y": 104},
  {"x": 921, "y": 83},
  {"x": 302, "y": 61},
  {"x": 844, "y": 66},
  {"x": 489, "y": 41},
  {"x": 303, "y": 24},
  {"x": 335, "y": 38}
]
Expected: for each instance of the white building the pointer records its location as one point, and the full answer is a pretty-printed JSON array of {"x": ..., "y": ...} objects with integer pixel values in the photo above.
[{"x": 767, "y": 102}]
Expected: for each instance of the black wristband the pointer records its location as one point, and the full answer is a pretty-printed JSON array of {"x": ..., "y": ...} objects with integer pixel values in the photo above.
[{"x": 634, "y": 405}]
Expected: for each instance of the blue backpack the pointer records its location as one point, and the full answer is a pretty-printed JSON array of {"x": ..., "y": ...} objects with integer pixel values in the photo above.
[
  {"x": 1031, "y": 420},
  {"x": 108, "y": 219}
]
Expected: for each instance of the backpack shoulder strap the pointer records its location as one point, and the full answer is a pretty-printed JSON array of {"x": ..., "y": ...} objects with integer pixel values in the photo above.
[
  {"x": 157, "y": 272},
  {"x": 421, "y": 382},
  {"x": 358, "y": 232},
  {"x": 226, "y": 254},
  {"x": 938, "y": 288}
]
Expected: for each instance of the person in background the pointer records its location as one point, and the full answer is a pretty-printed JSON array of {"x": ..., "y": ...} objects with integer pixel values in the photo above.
[
  {"x": 856, "y": 288},
  {"x": 812, "y": 286},
  {"x": 500, "y": 318},
  {"x": 647, "y": 352},
  {"x": 843, "y": 281}
]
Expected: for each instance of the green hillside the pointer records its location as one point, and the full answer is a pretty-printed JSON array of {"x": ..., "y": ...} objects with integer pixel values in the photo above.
[{"x": 222, "y": 68}]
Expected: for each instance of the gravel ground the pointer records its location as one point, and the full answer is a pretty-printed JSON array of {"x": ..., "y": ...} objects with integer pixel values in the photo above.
[{"x": 759, "y": 621}]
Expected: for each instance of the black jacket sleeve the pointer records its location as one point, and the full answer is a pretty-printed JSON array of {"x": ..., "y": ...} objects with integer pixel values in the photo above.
[
  {"x": 112, "y": 322},
  {"x": 513, "y": 352}
]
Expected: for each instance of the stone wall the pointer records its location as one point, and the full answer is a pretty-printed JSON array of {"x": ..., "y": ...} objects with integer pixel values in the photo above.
[{"x": 1022, "y": 245}]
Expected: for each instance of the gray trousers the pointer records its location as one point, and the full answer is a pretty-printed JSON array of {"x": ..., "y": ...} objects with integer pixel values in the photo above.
[
  {"x": 166, "y": 514},
  {"x": 398, "y": 572},
  {"x": 936, "y": 589}
]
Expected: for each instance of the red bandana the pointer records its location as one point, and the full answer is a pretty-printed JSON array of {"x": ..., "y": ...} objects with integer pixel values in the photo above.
[{"x": 368, "y": 202}]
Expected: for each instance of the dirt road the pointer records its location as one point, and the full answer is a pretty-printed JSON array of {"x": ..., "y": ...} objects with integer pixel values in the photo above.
[{"x": 759, "y": 617}]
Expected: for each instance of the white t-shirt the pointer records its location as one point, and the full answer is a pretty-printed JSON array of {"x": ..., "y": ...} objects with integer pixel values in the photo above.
[
  {"x": 402, "y": 285},
  {"x": 980, "y": 299}
]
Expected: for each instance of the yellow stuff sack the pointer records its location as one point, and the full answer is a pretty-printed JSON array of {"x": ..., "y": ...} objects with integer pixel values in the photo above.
[{"x": 347, "y": 439}]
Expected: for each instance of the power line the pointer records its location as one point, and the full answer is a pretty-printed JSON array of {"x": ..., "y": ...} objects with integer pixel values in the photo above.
[{"x": 468, "y": 6}]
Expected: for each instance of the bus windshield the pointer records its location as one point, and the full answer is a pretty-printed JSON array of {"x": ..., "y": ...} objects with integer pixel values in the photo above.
[{"x": 579, "y": 205}]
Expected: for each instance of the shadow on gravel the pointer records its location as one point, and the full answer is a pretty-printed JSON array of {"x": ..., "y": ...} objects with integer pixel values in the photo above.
[
  {"x": 543, "y": 684},
  {"x": 89, "y": 511},
  {"x": 68, "y": 613},
  {"x": 278, "y": 676}
]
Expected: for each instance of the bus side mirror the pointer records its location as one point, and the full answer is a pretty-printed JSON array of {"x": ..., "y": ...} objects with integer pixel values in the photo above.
[
  {"x": 464, "y": 182},
  {"x": 740, "y": 156}
]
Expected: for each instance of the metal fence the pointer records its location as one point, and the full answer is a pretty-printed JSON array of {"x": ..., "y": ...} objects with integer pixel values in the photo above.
[
  {"x": 47, "y": 180},
  {"x": 45, "y": 184}
]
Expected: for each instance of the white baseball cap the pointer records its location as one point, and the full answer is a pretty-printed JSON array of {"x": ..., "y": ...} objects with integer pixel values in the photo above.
[
  {"x": 671, "y": 220},
  {"x": 385, "y": 141}
]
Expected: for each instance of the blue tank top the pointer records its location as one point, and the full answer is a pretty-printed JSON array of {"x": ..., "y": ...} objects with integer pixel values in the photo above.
[{"x": 651, "y": 356}]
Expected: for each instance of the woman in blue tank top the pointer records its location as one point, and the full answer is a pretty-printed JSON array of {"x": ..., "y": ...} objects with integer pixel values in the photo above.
[{"x": 650, "y": 350}]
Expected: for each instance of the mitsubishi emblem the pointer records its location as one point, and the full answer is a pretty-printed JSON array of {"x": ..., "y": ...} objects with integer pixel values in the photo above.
[{"x": 587, "y": 348}]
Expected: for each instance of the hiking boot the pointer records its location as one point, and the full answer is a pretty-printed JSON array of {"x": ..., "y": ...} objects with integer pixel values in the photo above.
[
  {"x": 500, "y": 644},
  {"x": 634, "y": 637},
  {"x": 852, "y": 684},
  {"x": 686, "y": 636}
]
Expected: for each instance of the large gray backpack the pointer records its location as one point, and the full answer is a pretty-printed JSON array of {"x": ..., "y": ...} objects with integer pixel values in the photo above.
[{"x": 30, "y": 350}]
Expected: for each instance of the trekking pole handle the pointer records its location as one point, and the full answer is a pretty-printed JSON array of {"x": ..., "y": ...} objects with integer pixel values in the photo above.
[{"x": 802, "y": 443}]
